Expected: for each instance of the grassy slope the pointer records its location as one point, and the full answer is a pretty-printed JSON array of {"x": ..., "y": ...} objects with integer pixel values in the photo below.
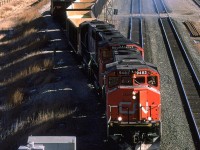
[{"x": 25, "y": 64}]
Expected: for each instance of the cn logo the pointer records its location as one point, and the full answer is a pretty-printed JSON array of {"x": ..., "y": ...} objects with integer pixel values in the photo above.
[
  {"x": 143, "y": 108},
  {"x": 123, "y": 108}
]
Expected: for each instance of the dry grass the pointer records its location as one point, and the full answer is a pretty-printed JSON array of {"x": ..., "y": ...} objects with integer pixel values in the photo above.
[
  {"x": 17, "y": 98},
  {"x": 17, "y": 7},
  {"x": 48, "y": 64},
  {"x": 24, "y": 35},
  {"x": 36, "y": 119},
  {"x": 18, "y": 56},
  {"x": 23, "y": 49},
  {"x": 7, "y": 8},
  {"x": 41, "y": 66}
]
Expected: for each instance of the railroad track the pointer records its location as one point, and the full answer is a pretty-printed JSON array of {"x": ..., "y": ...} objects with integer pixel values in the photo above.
[
  {"x": 185, "y": 74},
  {"x": 187, "y": 79},
  {"x": 136, "y": 23},
  {"x": 159, "y": 6},
  {"x": 197, "y": 2}
]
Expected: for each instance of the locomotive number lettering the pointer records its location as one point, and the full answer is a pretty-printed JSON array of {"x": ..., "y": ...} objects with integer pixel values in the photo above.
[
  {"x": 141, "y": 72},
  {"x": 123, "y": 109},
  {"x": 124, "y": 72}
]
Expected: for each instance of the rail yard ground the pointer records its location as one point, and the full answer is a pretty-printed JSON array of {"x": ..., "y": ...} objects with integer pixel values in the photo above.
[{"x": 43, "y": 90}]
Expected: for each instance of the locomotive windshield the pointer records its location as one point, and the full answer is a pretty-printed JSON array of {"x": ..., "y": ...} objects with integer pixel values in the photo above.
[
  {"x": 106, "y": 54},
  {"x": 152, "y": 80},
  {"x": 126, "y": 81},
  {"x": 139, "y": 80},
  {"x": 130, "y": 81},
  {"x": 113, "y": 81}
]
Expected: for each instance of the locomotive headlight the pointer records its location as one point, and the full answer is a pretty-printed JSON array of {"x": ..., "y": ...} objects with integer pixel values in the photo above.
[
  {"x": 149, "y": 118},
  {"x": 134, "y": 97},
  {"x": 111, "y": 124},
  {"x": 119, "y": 118}
]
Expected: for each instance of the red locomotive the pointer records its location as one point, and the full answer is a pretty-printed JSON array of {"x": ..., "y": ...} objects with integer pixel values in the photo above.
[{"x": 130, "y": 87}]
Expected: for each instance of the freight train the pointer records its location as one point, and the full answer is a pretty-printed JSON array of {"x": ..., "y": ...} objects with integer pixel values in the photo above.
[{"x": 129, "y": 86}]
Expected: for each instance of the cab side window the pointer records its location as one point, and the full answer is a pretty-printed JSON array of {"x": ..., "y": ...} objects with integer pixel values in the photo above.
[
  {"x": 113, "y": 81},
  {"x": 106, "y": 54},
  {"x": 152, "y": 80}
]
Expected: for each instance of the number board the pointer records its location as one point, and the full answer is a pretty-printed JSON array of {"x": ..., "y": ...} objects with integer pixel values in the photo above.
[
  {"x": 124, "y": 72},
  {"x": 142, "y": 72},
  {"x": 123, "y": 46}
]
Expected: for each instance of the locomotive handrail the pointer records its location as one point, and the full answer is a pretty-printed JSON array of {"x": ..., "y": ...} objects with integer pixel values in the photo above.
[
  {"x": 180, "y": 81},
  {"x": 128, "y": 113}
]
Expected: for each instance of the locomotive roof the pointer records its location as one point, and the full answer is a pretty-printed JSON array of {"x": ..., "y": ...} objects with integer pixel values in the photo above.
[
  {"x": 107, "y": 32},
  {"x": 130, "y": 64},
  {"x": 125, "y": 58},
  {"x": 99, "y": 25},
  {"x": 114, "y": 37},
  {"x": 126, "y": 53}
]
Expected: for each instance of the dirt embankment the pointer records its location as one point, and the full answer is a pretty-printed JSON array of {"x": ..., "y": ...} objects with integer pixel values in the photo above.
[
  {"x": 29, "y": 98},
  {"x": 41, "y": 83}
]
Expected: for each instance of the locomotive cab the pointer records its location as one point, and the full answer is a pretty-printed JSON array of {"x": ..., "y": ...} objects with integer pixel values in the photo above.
[{"x": 133, "y": 100}]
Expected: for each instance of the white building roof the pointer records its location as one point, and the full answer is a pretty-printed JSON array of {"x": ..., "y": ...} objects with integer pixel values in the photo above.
[{"x": 52, "y": 139}]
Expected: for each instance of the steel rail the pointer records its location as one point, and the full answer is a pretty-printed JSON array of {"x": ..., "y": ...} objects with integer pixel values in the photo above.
[
  {"x": 177, "y": 71},
  {"x": 141, "y": 39},
  {"x": 184, "y": 51},
  {"x": 157, "y": 8},
  {"x": 141, "y": 25},
  {"x": 197, "y": 2},
  {"x": 155, "y": 4},
  {"x": 131, "y": 21},
  {"x": 190, "y": 68},
  {"x": 163, "y": 4}
]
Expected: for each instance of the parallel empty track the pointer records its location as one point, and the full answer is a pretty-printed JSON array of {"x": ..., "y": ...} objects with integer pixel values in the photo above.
[
  {"x": 186, "y": 76},
  {"x": 136, "y": 23},
  {"x": 159, "y": 6},
  {"x": 197, "y": 2}
]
